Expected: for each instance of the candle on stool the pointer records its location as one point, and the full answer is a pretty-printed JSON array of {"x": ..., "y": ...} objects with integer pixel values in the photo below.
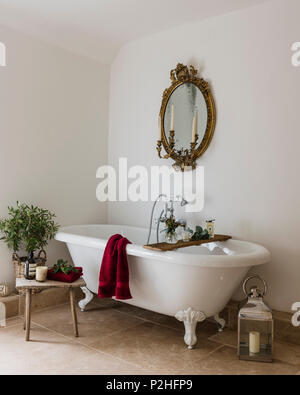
[
  {"x": 41, "y": 273},
  {"x": 254, "y": 342}
]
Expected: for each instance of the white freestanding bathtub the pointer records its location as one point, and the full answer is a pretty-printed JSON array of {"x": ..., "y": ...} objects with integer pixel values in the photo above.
[{"x": 192, "y": 283}]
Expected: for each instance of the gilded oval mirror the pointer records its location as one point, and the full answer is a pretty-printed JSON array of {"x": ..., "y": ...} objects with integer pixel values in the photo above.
[{"x": 187, "y": 118}]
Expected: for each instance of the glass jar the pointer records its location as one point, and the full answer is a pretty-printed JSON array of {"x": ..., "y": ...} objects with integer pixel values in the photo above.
[
  {"x": 171, "y": 238},
  {"x": 186, "y": 235},
  {"x": 4, "y": 290},
  {"x": 210, "y": 226}
]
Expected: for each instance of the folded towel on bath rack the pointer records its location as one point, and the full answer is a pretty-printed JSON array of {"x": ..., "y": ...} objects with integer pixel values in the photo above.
[{"x": 114, "y": 273}]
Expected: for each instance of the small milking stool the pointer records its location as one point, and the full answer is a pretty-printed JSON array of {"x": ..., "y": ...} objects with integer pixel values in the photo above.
[{"x": 29, "y": 285}]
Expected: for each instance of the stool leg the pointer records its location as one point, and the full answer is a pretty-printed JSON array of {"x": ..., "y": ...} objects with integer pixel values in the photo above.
[
  {"x": 24, "y": 317},
  {"x": 72, "y": 300},
  {"x": 28, "y": 313}
]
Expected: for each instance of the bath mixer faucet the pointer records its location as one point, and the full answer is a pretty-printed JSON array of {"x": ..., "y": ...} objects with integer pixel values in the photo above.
[{"x": 168, "y": 212}]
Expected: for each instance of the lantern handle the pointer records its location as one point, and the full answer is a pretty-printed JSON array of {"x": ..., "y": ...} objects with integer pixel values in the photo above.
[{"x": 251, "y": 278}]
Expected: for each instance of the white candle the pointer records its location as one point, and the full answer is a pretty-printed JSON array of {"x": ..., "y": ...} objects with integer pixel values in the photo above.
[
  {"x": 195, "y": 127},
  {"x": 254, "y": 342},
  {"x": 41, "y": 273},
  {"x": 159, "y": 129},
  {"x": 172, "y": 117}
]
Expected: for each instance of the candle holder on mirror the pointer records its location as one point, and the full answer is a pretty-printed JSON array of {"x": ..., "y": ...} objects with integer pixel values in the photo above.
[
  {"x": 171, "y": 145},
  {"x": 188, "y": 156}
]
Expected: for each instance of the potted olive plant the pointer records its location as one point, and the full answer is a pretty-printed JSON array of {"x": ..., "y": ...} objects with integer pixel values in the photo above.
[{"x": 27, "y": 228}]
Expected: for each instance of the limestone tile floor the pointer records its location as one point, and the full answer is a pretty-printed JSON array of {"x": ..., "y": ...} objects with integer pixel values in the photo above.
[{"x": 116, "y": 338}]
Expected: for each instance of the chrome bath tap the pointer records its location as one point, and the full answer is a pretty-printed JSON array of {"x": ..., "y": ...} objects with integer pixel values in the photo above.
[{"x": 164, "y": 215}]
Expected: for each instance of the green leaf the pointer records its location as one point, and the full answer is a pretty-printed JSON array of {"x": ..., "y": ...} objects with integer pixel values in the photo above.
[{"x": 62, "y": 266}]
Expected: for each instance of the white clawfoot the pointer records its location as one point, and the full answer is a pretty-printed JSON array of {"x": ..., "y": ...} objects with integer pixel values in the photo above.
[
  {"x": 88, "y": 298},
  {"x": 190, "y": 318},
  {"x": 221, "y": 323}
]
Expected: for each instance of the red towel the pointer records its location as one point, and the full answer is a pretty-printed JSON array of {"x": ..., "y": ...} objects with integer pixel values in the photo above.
[
  {"x": 114, "y": 274},
  {"x": 65, "y": 278}
]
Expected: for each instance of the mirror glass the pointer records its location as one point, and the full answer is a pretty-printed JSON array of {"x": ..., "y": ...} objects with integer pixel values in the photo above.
[{"x": 187, "y": 102}]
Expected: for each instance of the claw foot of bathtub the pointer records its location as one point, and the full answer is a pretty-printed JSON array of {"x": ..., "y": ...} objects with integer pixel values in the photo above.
[
  {"x": 221, "y": 323},
  {"x": 190, "y": 318},
  {"x": 88, "y": 298}
]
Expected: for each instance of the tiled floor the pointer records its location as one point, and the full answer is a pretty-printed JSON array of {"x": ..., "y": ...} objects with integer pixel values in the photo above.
[{"x": 116, "y": 338}]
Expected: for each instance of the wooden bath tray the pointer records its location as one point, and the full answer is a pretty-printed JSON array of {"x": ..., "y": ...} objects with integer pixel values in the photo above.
[{"x": 183, "y": 244}]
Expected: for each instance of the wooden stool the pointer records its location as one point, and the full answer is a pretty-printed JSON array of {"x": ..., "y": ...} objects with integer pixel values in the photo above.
[{"x": 29, "y": 285}]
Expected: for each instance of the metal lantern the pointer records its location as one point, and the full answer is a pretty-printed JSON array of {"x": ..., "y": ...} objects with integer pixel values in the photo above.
[{"x": 255, "y": 326}]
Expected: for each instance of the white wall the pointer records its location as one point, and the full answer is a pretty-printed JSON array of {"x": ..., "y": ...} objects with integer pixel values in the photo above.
[
  {"x": 53, "y": 134},
  {"x": 252, "y": 166}
]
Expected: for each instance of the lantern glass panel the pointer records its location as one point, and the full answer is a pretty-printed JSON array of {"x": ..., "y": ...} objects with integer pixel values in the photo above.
[{"x": 265, "y": 329}]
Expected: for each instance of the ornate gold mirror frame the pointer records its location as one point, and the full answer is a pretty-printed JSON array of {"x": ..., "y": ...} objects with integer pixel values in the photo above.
[{"x": 186, "y": 157}]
